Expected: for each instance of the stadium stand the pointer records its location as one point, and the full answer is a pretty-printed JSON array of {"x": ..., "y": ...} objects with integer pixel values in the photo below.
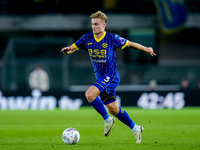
[{"x": 30, "y": 37}]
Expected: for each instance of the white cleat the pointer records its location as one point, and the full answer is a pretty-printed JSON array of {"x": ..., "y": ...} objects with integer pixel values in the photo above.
[
  {"x": 108, "y": 127},
  {"x": 138, "y": 134}
]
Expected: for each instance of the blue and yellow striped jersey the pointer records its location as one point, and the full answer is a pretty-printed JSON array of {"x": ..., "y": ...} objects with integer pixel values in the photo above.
[{"x": 102, "y": 52}]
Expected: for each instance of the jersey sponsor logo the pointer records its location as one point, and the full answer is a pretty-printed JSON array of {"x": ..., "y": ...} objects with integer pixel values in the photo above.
[
  {"x": 97, "y": 53},
  {"x": 89, "y": 43},
  {"x": 99, "y": 61}
]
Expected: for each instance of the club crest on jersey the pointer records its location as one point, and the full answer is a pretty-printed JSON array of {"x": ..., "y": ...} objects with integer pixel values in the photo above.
[{"x": 104, "y": 45}]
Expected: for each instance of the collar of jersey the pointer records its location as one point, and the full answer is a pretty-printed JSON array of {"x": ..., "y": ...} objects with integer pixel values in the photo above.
[{"x": 98, "y": 40}]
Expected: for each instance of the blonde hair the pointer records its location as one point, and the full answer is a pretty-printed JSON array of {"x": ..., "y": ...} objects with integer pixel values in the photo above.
[{"x": 99, "y": 15}]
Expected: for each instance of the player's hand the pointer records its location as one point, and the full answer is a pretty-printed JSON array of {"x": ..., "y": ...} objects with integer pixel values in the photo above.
[
  {"x": 65, "y": 50},
  {"x": 150, "y": 51}
]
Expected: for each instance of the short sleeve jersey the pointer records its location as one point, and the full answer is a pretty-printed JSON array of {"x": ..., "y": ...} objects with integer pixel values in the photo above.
[{"x": 102, "y": 52}]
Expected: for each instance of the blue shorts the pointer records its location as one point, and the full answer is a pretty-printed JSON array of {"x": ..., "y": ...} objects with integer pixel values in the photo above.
[{"x": 106, "y": 86}]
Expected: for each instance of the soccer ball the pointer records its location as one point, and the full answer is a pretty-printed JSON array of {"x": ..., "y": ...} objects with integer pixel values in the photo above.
[{"x": 70, "y": 136}]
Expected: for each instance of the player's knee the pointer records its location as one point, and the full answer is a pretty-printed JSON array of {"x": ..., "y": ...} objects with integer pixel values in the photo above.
[
  {"x": 89, "y": 96},
  {"x": 114, "y": 110}
]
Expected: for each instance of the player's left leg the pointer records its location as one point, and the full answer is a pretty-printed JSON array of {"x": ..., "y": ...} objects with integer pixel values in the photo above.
[{"x": 123, "y": 116}]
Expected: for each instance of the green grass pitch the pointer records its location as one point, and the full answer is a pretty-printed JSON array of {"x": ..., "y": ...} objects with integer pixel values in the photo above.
[{"x": 42, "y": 130}]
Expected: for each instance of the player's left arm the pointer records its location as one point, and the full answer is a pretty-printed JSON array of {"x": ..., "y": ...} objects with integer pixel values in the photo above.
[{"x": 137, "y": 46}]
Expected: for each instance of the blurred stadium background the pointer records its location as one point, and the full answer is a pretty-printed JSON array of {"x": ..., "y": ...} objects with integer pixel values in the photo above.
[{"x": 34, "y": 31}]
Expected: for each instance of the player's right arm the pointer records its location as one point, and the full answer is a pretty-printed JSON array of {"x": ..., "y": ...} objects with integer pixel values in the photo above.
[
  {"x": 68, "y": 50},
  {"x": 74, "y": 47}
]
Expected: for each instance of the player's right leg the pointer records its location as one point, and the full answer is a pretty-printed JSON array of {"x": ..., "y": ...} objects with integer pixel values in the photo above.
[{"x": 92, "y": 97}]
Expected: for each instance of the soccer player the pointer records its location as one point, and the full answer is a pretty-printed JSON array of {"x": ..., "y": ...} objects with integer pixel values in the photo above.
[{"x": 101, "y": 47}]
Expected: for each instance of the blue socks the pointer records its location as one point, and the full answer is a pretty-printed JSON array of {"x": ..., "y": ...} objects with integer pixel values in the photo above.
[
  {"x": 124, "y": 117},
  {"x": 122, "y": 114},
  {"x": 99, "y": 107}
]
